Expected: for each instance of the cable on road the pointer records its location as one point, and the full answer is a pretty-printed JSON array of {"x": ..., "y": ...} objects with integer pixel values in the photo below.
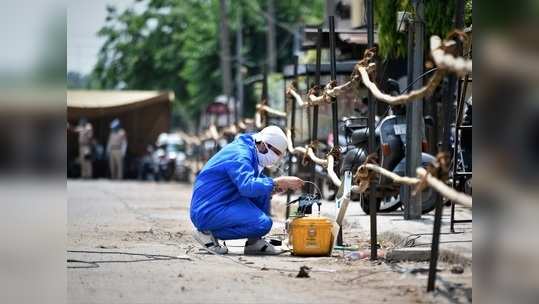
[
  {"x": 95, "y": 264},
  {"x": 253, "y": 266}
]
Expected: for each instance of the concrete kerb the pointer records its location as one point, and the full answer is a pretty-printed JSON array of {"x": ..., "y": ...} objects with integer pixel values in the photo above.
[
  {"x": 401, "y": 252},
  {"x": 394, "y": 232}
]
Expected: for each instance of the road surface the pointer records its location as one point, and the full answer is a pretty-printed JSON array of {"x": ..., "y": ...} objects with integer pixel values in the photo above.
[{"x": 109, "y": 221}]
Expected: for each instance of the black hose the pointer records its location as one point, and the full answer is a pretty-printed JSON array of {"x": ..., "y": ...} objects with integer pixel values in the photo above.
[{"x": 417, "y": 79}]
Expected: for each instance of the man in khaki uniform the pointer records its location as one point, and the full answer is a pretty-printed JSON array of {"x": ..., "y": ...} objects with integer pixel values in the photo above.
[
  {"x": 86, "y": 137},
  {"x": 116, "y": 148}
]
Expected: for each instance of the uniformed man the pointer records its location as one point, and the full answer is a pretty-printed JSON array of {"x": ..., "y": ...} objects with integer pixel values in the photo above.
[
  {"x": 116, "y": 148},
  {"x": 86, "y": 138}
]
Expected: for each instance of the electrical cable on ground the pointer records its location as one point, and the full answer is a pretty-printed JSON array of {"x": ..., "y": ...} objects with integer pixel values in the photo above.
[
  {"x": 252, "y": 266},
  {"x": 95, "y": 264}
]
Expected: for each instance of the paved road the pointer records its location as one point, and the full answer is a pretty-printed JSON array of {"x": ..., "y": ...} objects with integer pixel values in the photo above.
[{"x": 153, "y": 219}]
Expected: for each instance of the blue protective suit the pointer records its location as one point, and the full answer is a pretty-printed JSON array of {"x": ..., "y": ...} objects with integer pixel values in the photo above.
[{"x": 231, "y": 198}]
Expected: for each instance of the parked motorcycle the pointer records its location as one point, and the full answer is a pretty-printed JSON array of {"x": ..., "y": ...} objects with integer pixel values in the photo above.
[
  {"x": 170, "y": 158},
  {"x": 390, "y": 147},
  {"x": 464, "y": 151}
]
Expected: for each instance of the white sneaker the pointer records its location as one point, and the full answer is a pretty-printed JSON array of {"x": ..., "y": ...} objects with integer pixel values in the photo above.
[
  {"x": 209, "y": 242},
  {"x": 261, "y": 247}
]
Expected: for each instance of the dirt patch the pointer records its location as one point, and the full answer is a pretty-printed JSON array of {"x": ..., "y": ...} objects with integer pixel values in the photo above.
[{"x": 153, "y": 234}]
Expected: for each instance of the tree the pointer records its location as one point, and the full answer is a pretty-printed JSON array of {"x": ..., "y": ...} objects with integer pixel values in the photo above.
[{"x": 173, "y": 44}]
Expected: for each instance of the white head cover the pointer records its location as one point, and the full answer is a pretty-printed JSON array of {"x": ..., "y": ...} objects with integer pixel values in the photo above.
[{"x": 274, "y": 136}]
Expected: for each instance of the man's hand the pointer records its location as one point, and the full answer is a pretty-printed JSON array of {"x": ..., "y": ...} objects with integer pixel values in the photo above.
[{"x": 288, "y": 182}]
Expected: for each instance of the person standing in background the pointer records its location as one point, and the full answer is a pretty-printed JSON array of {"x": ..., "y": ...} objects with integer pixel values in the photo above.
[
  {"x": 116, "y": 148},
  {"x": 86, "y": 139}
]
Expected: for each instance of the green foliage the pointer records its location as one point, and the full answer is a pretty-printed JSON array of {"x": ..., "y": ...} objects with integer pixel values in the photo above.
[
  {"x": 391, "y": 43},
  {"x": 468, "y": 12},
  {"x": 439, "y": 20},
  {"x": 139, "y": 50},
  {"x": 439, "y": 17},
  {"x": 174, "y": 44},
  {"x": 200, "y": 51}
]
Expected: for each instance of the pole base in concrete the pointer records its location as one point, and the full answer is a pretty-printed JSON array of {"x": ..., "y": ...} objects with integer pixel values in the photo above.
[{"x": 409, "y": 254}]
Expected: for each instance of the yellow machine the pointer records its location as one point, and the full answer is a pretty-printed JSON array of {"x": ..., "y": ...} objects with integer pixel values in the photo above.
[{"x": 311, "y": 236}]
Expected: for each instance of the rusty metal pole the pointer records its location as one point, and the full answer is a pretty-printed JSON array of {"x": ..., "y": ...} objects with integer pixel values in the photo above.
[
  {"x": 459, "y": 24},
  {"x": 224, "y": 54},
  {"x": 238, "y": 102},
  {"x": 334, "y": 108},
  {"x": 292, "y": 131},
  {"x": 265, "y": 98},
  {"x": 372, "y": 145},
  {"x": 333, "y": 71},
  {"x": 314, "y": 135}
]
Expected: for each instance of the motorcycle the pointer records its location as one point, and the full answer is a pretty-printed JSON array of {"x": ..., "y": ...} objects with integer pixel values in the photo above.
[
  {"x": 464, "y": 151},
  {"x": 170, "y": 158},
  {"x": 390, "y": 147}
]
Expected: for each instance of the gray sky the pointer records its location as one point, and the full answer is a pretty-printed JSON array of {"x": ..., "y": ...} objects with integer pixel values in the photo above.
[{"x": 84, "y": 19}]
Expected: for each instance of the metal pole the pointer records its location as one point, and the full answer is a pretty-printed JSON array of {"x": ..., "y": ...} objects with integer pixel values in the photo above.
[
  {"x": 410, "y": 59},
  {"x": 225, "y": 50},
  {"x": 333, "y": 71},
  {"x": 228, "y": 110},
  {"x": 462, "y": 100},
  {"x": 456, "y": 140},
  {"x": 238, "y": 104},
  {"x": 372, "y": 145},
  {"x": 410, "y": 78},
  {"x": 448, "y": 112},
  {"x": 292, "y": 131},
  {"x": 265, "y": 94},
  {"x": 307, "y": 118},
  {"x": 314, "y": 135},
  {"x": 435, "y": 245},
  {"x": 334, "y": 109},
  {"x": 448, "y": 104},
  {"x": 329, "y": 9},
  {"x": 236, "y": 117},
  {"x": 459, "y": 23},
  {"x": 414, "y": 117},
  {"x": 455, "y": 176},
  {"x": 270, "y": 36}
]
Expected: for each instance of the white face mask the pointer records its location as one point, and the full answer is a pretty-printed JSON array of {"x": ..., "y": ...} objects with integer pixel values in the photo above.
[{"x": 268, "y": 159}]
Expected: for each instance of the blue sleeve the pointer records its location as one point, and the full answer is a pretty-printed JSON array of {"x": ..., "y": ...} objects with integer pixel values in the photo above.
[
  {"x": 243, "y": 176},
  {"x": 263, "y": 203}
]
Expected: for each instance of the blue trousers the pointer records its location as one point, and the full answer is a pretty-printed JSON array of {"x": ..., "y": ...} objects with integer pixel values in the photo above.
[{"x": 238, "y": 220}]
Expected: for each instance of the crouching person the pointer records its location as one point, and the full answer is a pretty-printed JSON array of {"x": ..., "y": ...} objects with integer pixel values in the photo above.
[{"x": 231, "y": 197}]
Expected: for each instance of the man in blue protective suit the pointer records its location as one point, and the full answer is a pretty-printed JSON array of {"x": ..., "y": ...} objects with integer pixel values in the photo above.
[{"x": 231, "y": 196}]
